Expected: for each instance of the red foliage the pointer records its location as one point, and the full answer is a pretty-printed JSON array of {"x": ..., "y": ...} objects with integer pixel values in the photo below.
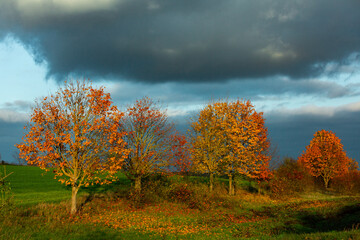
[{"x": 180, "y": 154}]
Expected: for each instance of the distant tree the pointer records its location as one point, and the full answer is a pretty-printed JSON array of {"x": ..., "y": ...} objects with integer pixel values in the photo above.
[
  {"x": 179, "y": 156},
  {"x": 148, "y": 139},
  {"x": 75, "y": 131},
  {"x": 324, "y": 157},
  {"x": 17, "y": 158}
]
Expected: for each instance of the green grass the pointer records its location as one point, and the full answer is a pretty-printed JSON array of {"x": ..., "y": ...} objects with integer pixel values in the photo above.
[
  {"x": 42, "y": 212},
  {"x": 31, "y": 185}
]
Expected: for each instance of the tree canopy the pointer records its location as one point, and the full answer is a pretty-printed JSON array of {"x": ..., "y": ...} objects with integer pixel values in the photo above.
[
  {"x": 325, "y": 157},
  {"x": 229, "y": 137},
  {"x": 76, "y": 132}
]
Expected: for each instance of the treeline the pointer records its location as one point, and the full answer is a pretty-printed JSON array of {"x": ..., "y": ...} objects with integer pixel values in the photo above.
[{"x": 86, "y": 140}]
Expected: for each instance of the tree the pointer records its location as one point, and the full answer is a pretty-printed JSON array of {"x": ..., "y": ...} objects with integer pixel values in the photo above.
[
  {"x": 148, "y": 139},
  {"x": 207, "y": 145},
  {"x": 325, "y": 157},
  {"x": 180, "y": 154},
  {"x": 230, "y": 138},
  {"x": 17, "y": 158},
  {"x": 75, "y": 132},
  {"x": 245, "y": 140}
]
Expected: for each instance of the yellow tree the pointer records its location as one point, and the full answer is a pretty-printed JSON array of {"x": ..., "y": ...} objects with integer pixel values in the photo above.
[
  {"x": 75, "y": 132},
  {"x": 238, "y": 140},
  {"x": 246, "y": 140},
  {"x": 325, "y": 157},
  {"x": 148, "y": 139},
  {"x": 207, "y": 145}
]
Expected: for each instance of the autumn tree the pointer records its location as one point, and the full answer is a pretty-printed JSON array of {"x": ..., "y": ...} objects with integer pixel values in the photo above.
[
  {"x": 324, "y": 157},
  {"x": 207, "y": 145},
  {"x": 148, "y": 139},
  {"x": 246, "y": 140},
  {"x": 179, "y": 156},
  {"x": 233, "y": 140},
  {"x": 76, "y": 133}
]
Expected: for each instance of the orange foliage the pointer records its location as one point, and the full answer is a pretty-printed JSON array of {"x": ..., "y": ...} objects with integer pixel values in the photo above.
[
  {"x": 75, "y": 131},
  {"x": 325, "y": 157},
  {"x": 230, "y": 138}
]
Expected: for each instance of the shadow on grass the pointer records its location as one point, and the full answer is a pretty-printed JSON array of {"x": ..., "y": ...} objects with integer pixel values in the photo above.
[
  {"x": 99, "y": 234},
  {"x": 113, "y": 187},
  {"x": 345, "y": 218}
]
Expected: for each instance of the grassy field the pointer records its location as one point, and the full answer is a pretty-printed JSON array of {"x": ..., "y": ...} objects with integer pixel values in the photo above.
[
  {"x": 179, "y": 208},
  {"x": 31, "y": 185}
]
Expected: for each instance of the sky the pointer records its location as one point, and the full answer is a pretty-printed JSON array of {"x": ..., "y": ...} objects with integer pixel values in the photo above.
[{"x": 296, "y": 61}]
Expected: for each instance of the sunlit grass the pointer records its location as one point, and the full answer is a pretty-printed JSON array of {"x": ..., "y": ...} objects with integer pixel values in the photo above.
[{"x": 42, "y": 211}]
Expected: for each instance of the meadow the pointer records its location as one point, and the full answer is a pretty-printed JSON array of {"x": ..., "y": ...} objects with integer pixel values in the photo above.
[{"x": 171, "y": 207}]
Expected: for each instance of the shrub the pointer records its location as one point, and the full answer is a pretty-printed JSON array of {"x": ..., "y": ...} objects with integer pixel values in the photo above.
[
  {"x": 154, "y": 190},
  {"x": 290, "y": 178},
  {"x": 180, "y": 192},
  {"x": 348, "y": 183},
  {"x": 6, "y": 198}
]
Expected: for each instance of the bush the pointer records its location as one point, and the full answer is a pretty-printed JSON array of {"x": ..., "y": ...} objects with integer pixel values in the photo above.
[
  {"x": 158, "y": 188},
  {"x": 154, "y": 190},
  {"x": 348, "y": 183},
  {"x": 180, "y": 192},
  {"x": 289, "y": 179}
]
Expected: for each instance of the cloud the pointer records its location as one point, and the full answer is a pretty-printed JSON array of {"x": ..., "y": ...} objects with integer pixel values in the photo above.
[
  {"x": 192, "y": 95},
  {"x": 315, "y": 111},
  {"x": 191, "y": 41},
  {"x": 16, "y": 111},
  {"x": 19, "y": 105},
  {"x": 12, "y": 116},
  {"x": 43, "y": 8}
]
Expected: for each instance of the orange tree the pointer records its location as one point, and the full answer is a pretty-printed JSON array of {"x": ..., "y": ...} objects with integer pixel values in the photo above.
[
  {"x": 75, "y": 132},
  {"x": 148, "y": 139},
  {"x": 230, "y": 138},
  {"x": 325, "y": 157}
]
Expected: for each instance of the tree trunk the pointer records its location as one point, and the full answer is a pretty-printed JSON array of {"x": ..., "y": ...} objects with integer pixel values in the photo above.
[
  {"x": 259, "y": 187},
  {"x": 138, "y": 183},
  {"x": 211, "y": 187},
  {"x": 73, "y": 199},
  {"x": 326, "y": 181},
  {"x": 231, "y": 185}
]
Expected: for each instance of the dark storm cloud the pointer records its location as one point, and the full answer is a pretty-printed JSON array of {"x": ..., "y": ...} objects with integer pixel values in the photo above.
[
  {"x": 292, "y": 131},
  {"x": 197, "y": 40}
]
